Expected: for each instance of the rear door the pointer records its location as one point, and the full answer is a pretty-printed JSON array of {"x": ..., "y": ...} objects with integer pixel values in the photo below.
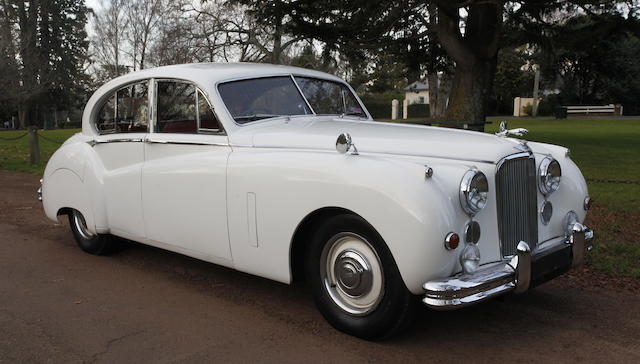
[
  {"x": 122, "y": 124},
  {"x": 184, "y": 174}
]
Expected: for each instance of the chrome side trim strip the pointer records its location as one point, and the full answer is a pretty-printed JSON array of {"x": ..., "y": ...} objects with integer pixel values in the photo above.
[
  {"x": 94, "y": 142},
  {"x": 183, "y": 142}
]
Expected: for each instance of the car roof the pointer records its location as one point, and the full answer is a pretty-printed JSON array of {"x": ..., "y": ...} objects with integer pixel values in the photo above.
[
  {"x": 212, "y": 73},
  {"x": 204, "y": 75}
]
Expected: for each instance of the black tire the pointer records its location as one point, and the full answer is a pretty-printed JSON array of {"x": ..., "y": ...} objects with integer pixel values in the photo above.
[
  {"x": 394, "y": 305},
  {"x": 95, "y": 244}
]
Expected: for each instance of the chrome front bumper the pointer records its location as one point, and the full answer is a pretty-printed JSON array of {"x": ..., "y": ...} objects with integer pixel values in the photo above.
[{"x": 515, "y": 274}]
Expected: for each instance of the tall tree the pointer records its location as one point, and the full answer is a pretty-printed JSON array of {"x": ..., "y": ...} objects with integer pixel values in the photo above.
[
  {"x": 110, "y": 26},
  {"x": 46, "y": 44},
  {"x": 143, "y": 18},
  {"x": 470, "y": 31}
]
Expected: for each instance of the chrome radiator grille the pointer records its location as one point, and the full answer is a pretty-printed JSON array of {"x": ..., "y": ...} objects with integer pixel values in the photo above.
[{"x": 516, "y": 198}]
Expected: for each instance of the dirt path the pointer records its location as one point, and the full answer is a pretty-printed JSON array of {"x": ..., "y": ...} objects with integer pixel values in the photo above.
[{"x": 59, "y": 305}]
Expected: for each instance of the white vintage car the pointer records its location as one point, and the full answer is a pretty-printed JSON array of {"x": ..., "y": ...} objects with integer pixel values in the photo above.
[{"x": 282, "y": 173}]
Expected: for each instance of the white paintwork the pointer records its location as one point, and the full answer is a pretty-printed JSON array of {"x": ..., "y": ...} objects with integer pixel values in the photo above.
[{"x": 238, "y": 200}]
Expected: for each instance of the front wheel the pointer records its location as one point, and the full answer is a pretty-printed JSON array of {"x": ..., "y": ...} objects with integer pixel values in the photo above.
[
  {"x": 96, "y": 244},
  {"x": 355, "y": 281}
]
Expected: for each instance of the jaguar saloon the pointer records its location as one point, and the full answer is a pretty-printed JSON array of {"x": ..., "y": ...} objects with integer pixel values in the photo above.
[{"x": 281, "y": 172}]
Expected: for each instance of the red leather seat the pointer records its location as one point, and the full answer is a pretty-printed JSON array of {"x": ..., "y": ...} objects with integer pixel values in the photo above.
[{"x": 182, "y": 126}]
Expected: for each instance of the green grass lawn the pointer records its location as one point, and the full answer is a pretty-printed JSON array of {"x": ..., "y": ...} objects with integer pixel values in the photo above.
[
  {"x": 14, "y": 154},
  {"x": 603, "y": 149}
]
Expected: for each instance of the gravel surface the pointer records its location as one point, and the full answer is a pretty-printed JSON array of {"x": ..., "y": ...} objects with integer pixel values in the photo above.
[{"x": 59, "y": 305}]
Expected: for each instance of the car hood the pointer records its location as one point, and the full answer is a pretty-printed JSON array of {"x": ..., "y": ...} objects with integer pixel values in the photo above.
[{"x": 378, "y": 137}]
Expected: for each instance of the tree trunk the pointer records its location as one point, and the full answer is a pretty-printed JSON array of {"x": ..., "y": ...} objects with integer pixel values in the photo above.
[
  {"x": 444, "y": 91},
  {"x": 434, "y": 92},
  {"x": 475, "y": 54},
  {"x": 276, "y": 54},
  {"x": 470, "y": 91}
]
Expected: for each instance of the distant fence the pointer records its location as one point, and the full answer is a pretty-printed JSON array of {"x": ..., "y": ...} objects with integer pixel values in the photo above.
[
  {"x": 34, "y": 143},
  {"x": 589, "y": 110}
]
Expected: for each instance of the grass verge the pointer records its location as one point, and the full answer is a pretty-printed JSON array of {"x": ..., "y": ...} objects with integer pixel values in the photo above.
[{"x": 14, "y": 154}]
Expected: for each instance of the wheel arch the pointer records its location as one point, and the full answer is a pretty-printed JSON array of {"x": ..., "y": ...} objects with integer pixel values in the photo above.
[
  {"x": 64, "y": 191},
  {"x": 302, "y": 234}
]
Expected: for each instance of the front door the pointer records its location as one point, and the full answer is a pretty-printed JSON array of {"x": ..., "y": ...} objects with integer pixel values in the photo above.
[{"x": 184, "y": 175}]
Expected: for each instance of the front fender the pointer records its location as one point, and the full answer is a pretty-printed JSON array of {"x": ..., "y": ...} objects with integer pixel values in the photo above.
[{"x": 278, "y": 188}]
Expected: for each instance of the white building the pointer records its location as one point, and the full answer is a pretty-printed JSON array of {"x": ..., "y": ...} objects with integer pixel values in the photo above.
[{"x": 417, "y": 93}]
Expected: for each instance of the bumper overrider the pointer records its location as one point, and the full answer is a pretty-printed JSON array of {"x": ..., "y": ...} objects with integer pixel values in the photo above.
[{"x": 515, "y": 274}]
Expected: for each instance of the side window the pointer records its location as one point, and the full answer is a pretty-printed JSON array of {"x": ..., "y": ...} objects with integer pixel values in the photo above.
[
  {"x": 106, "y": 120},
  {"x": 126, "y": 111},
  {"x": 208, "y": 120},
  {"x": 176, "y": 107}
]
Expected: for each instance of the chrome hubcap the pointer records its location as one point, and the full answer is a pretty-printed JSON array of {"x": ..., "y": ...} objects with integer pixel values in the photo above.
[
  {"x": 352, "y": 273},
  {"x": 81, "y": 226}
]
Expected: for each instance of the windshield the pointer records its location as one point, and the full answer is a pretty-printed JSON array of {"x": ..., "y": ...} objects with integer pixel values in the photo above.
[
  {"x": 329, "y": 97},
  {"x": 261, "y": 98}
]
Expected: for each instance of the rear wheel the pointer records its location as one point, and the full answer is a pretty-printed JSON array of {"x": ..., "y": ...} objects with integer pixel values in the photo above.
[
  {"x": 355, "y": 281},
  {"x": 96, "y": 244}
]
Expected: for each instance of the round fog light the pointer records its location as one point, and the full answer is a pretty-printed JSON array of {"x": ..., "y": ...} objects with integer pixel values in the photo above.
[
  {"x": 470, "y": 258},
  {"x": 546, "y": 211},
  {"x": 472, "y": 232}
]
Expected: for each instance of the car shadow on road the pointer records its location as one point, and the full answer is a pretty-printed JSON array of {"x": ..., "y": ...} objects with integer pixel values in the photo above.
[{"x": 504, "y": 320}]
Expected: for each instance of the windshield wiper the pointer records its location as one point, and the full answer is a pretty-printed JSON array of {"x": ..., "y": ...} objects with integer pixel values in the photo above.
[{"x": 253, "y": 117}]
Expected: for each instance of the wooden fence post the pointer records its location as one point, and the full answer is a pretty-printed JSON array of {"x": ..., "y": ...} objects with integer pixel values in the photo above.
[{"x": 34, "y": 147}]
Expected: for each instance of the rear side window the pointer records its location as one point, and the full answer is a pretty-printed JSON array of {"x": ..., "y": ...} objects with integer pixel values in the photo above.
[{"x": 125, "y": 111}]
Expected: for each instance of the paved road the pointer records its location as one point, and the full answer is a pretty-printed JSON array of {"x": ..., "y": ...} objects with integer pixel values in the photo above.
[{"x": 59, "y": 305}]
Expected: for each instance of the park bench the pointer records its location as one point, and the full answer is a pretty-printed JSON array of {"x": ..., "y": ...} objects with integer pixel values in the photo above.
[{"x": 594, "y": 110}]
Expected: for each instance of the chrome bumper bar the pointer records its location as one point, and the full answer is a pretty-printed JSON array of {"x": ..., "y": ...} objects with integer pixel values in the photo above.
[{"x": 513, "y": 274}]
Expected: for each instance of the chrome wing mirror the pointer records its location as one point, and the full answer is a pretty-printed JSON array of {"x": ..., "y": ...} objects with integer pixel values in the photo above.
[
  {"x": 504, "y": 132},
  {"x": 344, "y": 143}
]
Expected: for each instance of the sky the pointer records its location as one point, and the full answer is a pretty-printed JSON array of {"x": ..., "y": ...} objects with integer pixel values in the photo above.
[{"x": 93, "y": 3}]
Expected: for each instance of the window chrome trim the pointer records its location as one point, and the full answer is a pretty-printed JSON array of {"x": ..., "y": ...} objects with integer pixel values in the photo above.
[{"x": 153, "y": 107}]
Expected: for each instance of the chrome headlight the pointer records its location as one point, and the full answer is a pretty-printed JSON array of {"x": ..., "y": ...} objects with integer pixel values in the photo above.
[
  {"x": 549, "y": 175},
  {"x": 474, "y": 191}
]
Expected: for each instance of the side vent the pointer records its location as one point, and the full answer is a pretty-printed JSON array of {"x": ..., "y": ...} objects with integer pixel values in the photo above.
[{"x": 252, "y": 219}]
